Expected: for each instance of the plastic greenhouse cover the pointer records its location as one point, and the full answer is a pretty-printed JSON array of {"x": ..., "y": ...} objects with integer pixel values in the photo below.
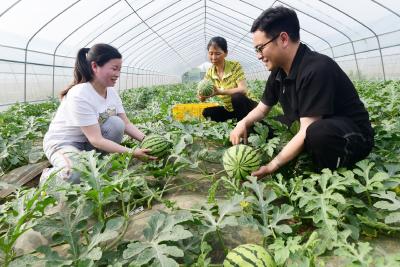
[{"x": 171, "y": 36}]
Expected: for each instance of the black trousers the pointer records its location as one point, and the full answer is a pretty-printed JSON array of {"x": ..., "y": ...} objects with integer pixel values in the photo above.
[
  {"x": 337, "y": 142},
  {"x": 241, "y": 104}
]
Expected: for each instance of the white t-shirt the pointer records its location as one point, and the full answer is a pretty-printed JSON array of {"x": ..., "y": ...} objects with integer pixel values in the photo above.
[{"x": 82, "y": 106}]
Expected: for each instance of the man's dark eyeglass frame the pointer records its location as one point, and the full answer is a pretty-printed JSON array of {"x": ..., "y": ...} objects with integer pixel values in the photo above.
[{"x": 260, "y": 48}]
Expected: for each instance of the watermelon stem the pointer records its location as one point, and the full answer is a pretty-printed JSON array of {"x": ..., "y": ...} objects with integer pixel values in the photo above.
[{"x": 222, "y": 241}]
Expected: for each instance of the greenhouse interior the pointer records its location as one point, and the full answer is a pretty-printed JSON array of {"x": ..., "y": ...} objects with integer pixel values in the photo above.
[{"x": 200, "y": 133}]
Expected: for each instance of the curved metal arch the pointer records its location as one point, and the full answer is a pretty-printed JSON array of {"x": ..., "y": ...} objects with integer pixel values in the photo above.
[
  {"x": 33, "y": 36},
  {"x": 234, "y": 47},
  {"x": 191, "y": 12},
  {"x": 159, "y": 49},
  {"x": 309, "y": 32},
  {"x": 115, "y": 23},
  {"x": 155, "y": 38},
  {"x": 229, "y": 22},
  {"x": 220, "y": 12},
  {"x": 75, "y": 30},
  {"x": 160, "y": 45},
  {"x": 139, "y": 62},
  {"x": 253, "y": 18},
  {"x": 219, "y": 4},
  {"x": 10, "y": 7},
  {"x": 362, "y": 24},
  {"x": 155, "y": 32},
  {"x": 371, "y": 50},
  {"x": 165, "y": 36},
  {"x": 385, "y": 7},
  {"x": 166, "y": 59},
  {"x": 224, "y": 30},
  {"x": 337, "y": 30},
  {"x": 142, "y": 20},
  {"x": 159, "y": 12},
  {"x": 128, "y": 48}
]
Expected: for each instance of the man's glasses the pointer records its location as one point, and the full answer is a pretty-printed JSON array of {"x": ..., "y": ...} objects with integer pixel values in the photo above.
[{"x": 260, "y": 48}]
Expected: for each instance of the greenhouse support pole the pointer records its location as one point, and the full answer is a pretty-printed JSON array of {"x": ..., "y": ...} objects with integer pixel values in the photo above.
[
  {"x": 330, "y": 26},
  {"x": 33, "y": 36},
  {"x": 126, "y": 77},
  {"x": 76, "y": 29},
  {"x": 362, "y": 24}
]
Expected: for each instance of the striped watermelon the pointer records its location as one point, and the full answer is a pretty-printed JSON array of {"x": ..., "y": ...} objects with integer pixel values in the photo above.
[
  {"x": 158, "y": 144},
  {"x": 205, "y": 88},
  {"x": 249, "y": 255},
  {"x": 240, "y": 160}
]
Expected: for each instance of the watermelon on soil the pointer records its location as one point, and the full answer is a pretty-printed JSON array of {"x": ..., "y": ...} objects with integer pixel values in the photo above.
[
  {"x": 158, "y": 144},
  {"x": 249, "y": 255},
  {"x": 240, "y": 160}
]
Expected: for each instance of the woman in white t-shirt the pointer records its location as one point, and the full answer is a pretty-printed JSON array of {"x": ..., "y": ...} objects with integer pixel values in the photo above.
[{"x": 91, "y": 115}]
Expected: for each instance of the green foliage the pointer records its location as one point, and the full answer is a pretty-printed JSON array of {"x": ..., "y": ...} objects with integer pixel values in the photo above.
[
  {"x": 158, "y": 249},
  {"x": 391, "y": 203},
  {"x": 269, "y": 219},
  {"x": 21, "y": 128},
  {"x": 292, "y": 253},
  {"x": 300, "y": 213},
  {"x": 18, "y": 216}
]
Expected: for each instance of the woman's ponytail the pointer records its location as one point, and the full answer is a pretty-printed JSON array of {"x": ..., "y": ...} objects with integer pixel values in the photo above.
[
  {"x": 82, "y": 71},
  {"x": 100, "y": 54}
]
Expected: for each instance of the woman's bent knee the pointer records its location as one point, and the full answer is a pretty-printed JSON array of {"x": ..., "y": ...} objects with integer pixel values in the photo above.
[{"x": 113, "y": 129}]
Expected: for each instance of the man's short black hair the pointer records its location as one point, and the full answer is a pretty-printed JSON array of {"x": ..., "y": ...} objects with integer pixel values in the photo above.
[{"x": 278, "y": 19}]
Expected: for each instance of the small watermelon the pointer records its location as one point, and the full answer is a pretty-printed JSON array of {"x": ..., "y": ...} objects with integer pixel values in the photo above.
[
  {"x": 249, "y": 255},
  {"x": 158, "y": 144},
  {"x": 205, "y": 88},
  {"x": 240, "y": 160}
]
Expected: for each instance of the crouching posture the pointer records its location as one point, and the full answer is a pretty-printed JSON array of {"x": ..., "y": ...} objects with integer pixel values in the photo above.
[
  {"x": 90, "y": 115},
  {"x": 229, "y": 85},
  {"x": 311, "y": 88}
]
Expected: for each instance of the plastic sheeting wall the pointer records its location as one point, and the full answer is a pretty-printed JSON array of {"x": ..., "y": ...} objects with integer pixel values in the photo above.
[{"x": 160, "y": 40}]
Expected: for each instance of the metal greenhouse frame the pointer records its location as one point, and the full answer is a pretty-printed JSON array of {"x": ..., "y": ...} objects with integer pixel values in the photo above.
[{"x": 160, "y": 40}]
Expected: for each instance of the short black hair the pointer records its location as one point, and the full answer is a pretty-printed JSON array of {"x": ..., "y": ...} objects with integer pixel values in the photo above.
[
  {"x": 219, "y": 42},
  {"x": 278, "y": 19}
]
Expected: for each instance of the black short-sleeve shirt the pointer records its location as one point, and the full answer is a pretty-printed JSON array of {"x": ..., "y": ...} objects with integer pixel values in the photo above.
[{"x": 315, "y": 86}]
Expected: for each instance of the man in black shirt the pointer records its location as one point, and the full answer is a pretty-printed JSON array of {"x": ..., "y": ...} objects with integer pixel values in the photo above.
[{"x": 311, "y": 87}]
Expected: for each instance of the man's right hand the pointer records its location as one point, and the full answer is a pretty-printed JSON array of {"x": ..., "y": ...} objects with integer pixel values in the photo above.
[{"x": 240, "y": 131}]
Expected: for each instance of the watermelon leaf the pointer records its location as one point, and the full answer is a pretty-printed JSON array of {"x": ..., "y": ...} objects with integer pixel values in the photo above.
[{"x": 160, "y": 235}]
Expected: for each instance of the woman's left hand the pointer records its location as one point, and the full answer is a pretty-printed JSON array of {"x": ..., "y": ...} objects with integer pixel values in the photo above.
[{"x": 142, "y": 154}]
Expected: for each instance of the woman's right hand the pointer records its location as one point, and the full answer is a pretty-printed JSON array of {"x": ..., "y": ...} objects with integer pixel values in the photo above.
[
  {"x": 201, "y": 98},
  {"x": 142, "y": 154}
]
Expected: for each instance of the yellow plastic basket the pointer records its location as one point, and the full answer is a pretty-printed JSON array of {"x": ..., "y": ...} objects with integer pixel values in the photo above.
[{"x": 183, "y": 112}]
